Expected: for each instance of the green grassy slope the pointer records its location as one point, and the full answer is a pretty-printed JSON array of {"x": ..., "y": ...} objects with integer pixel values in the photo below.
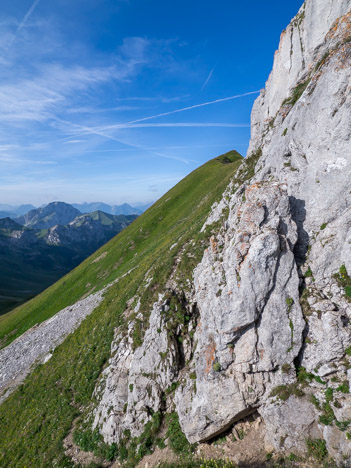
[
  {"x": 40, "y": 413},
  {"x": 181, "y": 210},
  {"x": 29, "y": 264}
]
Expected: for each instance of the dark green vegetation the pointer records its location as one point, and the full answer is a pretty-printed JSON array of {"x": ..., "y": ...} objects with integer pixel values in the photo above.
[
  {"x": 317, "y": 449},
  {"x": 33, "y": 259},
  {"x": 322, "y": 60},
  {"x": 344, "y": 280},
  {"x": 297, "y": 93},
  {"x": 40, "y": 413},
  {"x": 283, "y": 392},
  {"x": 131, "y": 450}
]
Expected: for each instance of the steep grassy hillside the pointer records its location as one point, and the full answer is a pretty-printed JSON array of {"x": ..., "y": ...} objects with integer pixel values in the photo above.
[
  {"x": 40, "y": 413},
  {"x": 33, "y": 259},
  {"x": 179, "y": 213}
]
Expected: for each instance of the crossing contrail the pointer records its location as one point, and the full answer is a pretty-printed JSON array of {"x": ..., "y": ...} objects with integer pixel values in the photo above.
[
  {"x": 23, "y": 22},
  {"x": 183, "y": 109}
]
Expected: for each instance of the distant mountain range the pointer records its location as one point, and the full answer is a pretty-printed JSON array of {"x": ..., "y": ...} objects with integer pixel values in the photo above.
[
  {"x": 38, "y": 248},
  {"x": 13, "y": 211},
  {"x": 48, "y": 216},
  {"x": 23, "y": 213},
  {"x": 124, "y": 209}
]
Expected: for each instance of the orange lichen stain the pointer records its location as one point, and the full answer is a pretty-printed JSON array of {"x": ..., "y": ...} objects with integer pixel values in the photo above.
[
  {"x": 210, "y": 356},
  {"x": 261, "y": 353},
  {"x": 213, "y": 245},
  {"x": 230, "y": 293}
]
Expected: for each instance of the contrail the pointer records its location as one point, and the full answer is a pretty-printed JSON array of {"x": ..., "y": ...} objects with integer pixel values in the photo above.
[
  {"x": 27, "y": 16},
  {"x": 183, "y": 124},
  {"x": 132, "y": 145},
  {"x": 99, "y": 130},
  {"x": 207, "y": 79},
  {"x": 183, "y": 109},
  {"x": 23, "y": 22}
]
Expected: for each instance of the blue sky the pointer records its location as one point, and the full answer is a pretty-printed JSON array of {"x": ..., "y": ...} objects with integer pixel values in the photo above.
[{"x": 89, "y": 90}]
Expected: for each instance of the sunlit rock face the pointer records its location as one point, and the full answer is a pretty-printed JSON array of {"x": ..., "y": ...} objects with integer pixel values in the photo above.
[{"x": 268, "y": 292}]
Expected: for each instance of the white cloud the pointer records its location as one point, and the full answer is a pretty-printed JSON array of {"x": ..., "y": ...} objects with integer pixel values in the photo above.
[{"x": 52, "y": 90}]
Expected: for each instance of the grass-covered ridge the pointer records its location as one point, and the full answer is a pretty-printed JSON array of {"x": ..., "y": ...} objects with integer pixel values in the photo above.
[
  {"x": 40, "y": 413},
  {"x": 175, "y": 213}
]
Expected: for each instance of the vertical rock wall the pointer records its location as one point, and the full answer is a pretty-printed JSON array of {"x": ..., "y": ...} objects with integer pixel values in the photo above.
[{"x": 269, "y": 294}]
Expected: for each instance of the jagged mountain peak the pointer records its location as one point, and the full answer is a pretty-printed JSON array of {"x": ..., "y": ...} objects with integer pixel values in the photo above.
[{"x": 49, "y": 215}]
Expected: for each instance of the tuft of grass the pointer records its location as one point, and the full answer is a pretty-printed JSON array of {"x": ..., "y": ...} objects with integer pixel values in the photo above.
[
  {"x": 177, "y": 440},
  {"x": 322, "y": 60},
  {"x": 343, "y": 388},
  {"x": 289, "y": 302},
  {"x": 309, "y": 273},
  {"x": 305, "y": 377},
  {"x": 323, "y": 226},
  {"x": 217, "y": 367},
  {"x": 344, "y": 280},
  {"x": 297, "y": 93},
  {"x": 317, "y": 449},
  {"x": 283, "y": 392},
  {"x": 314, "y": 400}
]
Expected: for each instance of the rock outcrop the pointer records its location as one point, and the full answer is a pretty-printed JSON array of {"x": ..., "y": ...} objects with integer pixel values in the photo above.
[{"x": 269, "y": 310}]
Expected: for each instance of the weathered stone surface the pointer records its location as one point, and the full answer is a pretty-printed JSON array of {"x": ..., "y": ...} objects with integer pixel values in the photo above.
[
  {"x": 246, "y": 289},
  {"x": 133, "y": 385},
  {"x": 293, "y": 216},
  {"x": 289, "y": 424}
]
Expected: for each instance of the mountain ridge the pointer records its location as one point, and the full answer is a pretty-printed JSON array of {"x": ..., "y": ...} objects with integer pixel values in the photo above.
[{"x": 49, "y": 215}]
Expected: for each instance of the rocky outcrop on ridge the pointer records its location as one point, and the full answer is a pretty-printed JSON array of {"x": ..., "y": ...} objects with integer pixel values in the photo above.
[{"x": 268, "y": 312}]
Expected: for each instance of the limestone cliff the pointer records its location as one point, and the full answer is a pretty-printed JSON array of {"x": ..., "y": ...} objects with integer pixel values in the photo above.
[{"x": 268, "y": 310}]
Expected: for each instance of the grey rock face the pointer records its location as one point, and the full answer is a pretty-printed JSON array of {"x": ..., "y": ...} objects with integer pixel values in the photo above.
[
  {"x": 289, "y": 424},
  {"x": 287, "y": 231},
  {"x": 246, "y": 289},
  {"x": 306, "y": 145},
  {"x": 133, "y": 385}
]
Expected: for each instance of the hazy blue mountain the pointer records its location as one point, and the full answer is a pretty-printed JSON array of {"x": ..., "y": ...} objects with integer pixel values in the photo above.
[
  {"x": 49, "y": 215},
  {"x": 6, "y": 207},
  {"x": 90, "y": 207},
  {"x": 23, "y": 209},
  {"x": 14, "y": 211},
  {"x": 124, "y": 209},
  {"x": 8, "y": 214}
]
